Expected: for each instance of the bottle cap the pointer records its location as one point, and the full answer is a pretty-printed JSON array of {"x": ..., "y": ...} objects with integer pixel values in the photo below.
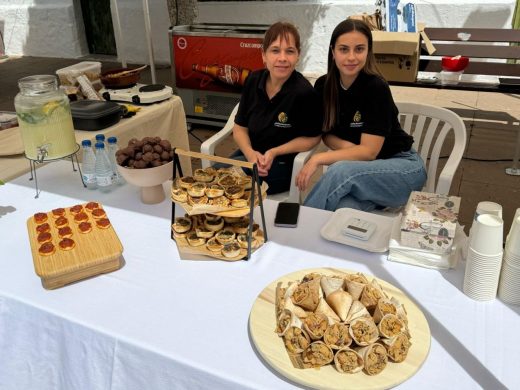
[
  {"x": 86, "y": 142},
  {"x": 100, "y": 145},
  {"x": 112, "y": 140},
  {"x": 100, "y": 137}
]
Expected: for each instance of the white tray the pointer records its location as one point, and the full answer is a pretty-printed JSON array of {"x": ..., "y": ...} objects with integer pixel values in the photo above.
[{"x": 379, "y": 240}]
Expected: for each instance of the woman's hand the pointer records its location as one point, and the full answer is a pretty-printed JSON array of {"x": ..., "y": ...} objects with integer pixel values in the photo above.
[
  {"x": 268, "y": 158},
  {"x": 304, "y": 176},
  {"x": 256, "y": 157}
]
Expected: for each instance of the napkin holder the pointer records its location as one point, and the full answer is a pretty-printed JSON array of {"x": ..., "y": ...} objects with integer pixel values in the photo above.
[{"x": 430, "y": 221}]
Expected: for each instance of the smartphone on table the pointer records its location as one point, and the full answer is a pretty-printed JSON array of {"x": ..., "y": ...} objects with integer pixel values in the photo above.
[{"x": 287, "y": 214}]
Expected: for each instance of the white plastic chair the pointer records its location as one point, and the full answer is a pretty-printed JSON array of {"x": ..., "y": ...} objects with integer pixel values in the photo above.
[
  {"x": 430, "y": 126},
  {"x": 208, "y": 147}
]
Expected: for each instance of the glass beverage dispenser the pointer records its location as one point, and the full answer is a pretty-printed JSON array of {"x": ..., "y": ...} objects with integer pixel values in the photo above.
[{"x": 44, "y": 118}]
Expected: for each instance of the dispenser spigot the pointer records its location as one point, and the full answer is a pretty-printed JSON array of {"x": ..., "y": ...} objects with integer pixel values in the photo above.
[{"x": 42, "y": 152}]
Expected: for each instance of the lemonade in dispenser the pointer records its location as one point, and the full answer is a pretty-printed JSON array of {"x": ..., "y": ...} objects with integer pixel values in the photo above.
[{"x": 44, "y": 118}]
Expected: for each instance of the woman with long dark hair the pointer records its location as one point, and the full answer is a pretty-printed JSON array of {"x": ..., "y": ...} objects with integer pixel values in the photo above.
[
  {"x": 371, "y": 162},
  {"x": 279, "y": 111}
]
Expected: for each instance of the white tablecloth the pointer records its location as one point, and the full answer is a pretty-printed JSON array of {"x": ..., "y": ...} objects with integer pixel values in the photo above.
[{"x": 165, "y": 323}]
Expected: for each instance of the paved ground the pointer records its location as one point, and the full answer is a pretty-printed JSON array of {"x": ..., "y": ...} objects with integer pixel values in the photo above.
[{"x": 492, "y": 121}]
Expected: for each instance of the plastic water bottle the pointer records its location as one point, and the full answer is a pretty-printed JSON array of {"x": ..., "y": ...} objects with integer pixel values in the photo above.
[
  {"x": 88, "y": 165},
  {"x": 111, "y": 151},
  {"x": 103, "y": 169},
  {"x": 100, "y": 138}
]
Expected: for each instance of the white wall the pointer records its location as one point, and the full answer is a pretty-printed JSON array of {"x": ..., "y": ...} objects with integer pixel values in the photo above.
[
  {"x": 317, "y": 19},
  {"x": 46, "y": 28},
  {"x": 54, "y": 27}
]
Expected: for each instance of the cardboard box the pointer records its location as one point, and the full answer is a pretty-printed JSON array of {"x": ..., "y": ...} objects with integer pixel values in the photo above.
[
  {"x": 430, "y": 221},
  {"x": 397, "y": 54}
]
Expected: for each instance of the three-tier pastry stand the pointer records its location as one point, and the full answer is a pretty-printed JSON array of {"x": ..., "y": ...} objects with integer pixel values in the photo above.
[{"x": 255, "y": 188}]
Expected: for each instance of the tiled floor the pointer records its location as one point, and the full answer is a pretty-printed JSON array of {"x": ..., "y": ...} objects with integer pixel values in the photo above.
[{"x": 492, "y": 121}]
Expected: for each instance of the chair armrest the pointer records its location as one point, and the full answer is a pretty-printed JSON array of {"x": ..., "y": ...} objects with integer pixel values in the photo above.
[
  {"x": 299, "y": 161},
  {"x": 208, "y": 146}
]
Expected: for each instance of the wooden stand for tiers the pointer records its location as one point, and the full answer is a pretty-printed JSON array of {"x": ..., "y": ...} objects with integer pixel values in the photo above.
[{"x": 256, "y": 187}]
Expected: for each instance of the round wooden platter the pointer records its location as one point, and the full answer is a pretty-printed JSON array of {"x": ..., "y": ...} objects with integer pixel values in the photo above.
[{"x": 262, "y": 323}]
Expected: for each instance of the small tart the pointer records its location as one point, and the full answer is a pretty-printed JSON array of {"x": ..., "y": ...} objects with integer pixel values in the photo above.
[
  {"x": 179, "y": 235},
  {"x": 214, "y": 225},
  {"x": 59, "y": 212},
  {"x": 242, "y": 241},
  {"x": 214, "y": 191},
  {"x": 245, "y": 181},
  {"x": 65, "y": 232},
  {"x": 232, "y": 220},
  {"x": 40, "y": 217},
  {"x": 47, "y": 249},
  {"x": 182, "y": 225},
  {"x": 239, "y": 203},
  {"x": 210, "y": 171},
  {"x": 85, "y": 227},
  {"x": 92, "y": 206},
  {"x": 203, "y": 176},
  {"x": 103, "y": 223},
  {"x": 212, "y": 217},
  {"x": 234, "y": 191},
  {"x": 204, "y": 233},
  {"x": 81, "y": 217},
  {"x": 186, "y": 182},
  {"x": 225, "y": 236},
  {"x": 76, "y": 209},
  {"x": 197, "y": 190},
  {"x": 221, "y": 201},
  {"x": 213, "y": 245},
  {"x": 98, "y": 213},
  {"x": 44, "y": 237},
  {"x": 197, "y": 200},
  {"x": 61, "y": 221},
  {"x": 180, "y": 195},
  {"x": 231, "y": 250},
  {"x": 240, "y": 227},
  {"x": 227, "y": 180},
  {"x": 247, "y": 195},
  {"x": 256, "y": 229},
  {"x": 225, "y": 171},
  {"x": 195, "y": 240},
  {"x": 67, "y": 244},
  {"x": 44, "y": 227}
]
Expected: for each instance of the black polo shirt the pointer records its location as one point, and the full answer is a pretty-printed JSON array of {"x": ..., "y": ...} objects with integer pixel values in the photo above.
[
  {"x": 295, "y": 111},
  {"x": 367, "y": 106}
]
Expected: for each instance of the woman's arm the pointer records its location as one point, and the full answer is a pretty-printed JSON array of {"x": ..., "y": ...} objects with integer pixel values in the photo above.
[
  {"x": 334, "y": 142},
  {"x": 296, "y": 145},
  {"x": 367, "y": 150},
  {"x": 241, "y": 137}
]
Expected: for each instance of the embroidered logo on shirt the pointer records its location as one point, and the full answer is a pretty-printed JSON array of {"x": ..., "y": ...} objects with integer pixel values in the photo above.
[
  {"x": 356, "y": 120},
  {"x": 282, "y": 120}
]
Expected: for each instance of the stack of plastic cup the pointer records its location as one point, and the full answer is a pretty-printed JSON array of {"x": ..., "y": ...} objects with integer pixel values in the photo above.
[
  {"x": 509, "y": 286},
  {"x": 482, "y": 208},
  {"x": 484, "y": 259}
]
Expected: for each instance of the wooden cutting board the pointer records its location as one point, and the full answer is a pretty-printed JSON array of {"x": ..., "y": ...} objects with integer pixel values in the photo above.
[
  {"x": 11, "y": 142},
  {"x": 262, "y": 323},
  {"x": 96, "y": 252}
]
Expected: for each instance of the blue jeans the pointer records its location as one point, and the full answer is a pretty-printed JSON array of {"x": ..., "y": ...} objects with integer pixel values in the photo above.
[
  {"x": 278, "y": 178},
  {"x": 366, "y": 185}
]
